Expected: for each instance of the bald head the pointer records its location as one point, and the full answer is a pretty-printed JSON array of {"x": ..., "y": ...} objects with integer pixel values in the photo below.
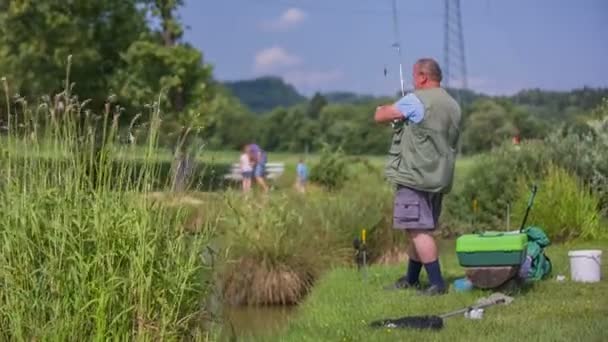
[{"x": 427, "y": 73}]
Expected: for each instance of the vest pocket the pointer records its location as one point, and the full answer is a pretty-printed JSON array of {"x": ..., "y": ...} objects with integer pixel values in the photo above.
[{"x": 426, "y": 145}]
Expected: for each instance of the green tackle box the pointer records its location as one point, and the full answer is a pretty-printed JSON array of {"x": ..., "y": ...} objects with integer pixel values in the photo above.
[{"x": 491, "y": 249}]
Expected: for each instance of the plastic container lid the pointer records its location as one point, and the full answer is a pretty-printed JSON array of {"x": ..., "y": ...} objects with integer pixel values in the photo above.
[
  {"x": 585, "y": 253},
  {"x": 491, "y": 242}
]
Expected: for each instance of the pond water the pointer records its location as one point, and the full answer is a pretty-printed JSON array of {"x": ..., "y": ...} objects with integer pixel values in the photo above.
[{"x": 256, "y": 320}]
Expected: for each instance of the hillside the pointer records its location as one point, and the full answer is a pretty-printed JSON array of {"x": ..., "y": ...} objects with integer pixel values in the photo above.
[{"x": 265, "y": 93}]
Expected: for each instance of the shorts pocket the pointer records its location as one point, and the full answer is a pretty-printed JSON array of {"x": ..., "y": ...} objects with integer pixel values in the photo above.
[{"x": 407, "y": 210}]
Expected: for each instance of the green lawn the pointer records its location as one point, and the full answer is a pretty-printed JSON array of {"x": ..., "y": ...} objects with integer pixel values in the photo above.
[{"x": 342, "y": 304}]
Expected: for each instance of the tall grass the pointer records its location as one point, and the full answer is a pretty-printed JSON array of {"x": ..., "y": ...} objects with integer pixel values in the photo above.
[
  {"x": 278, "y": 246},
  {"x": 564, "y": 208},
  {"x": 84, "y": 255}
]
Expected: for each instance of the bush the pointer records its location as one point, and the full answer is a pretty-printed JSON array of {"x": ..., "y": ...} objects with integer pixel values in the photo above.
[
  {"x": 586, "y": 156},
  {"x": 564, "y": 208},
  {"x": 492, "y": 181},
  {"x": 332, "y": 169},
  {"x": 279, "y": 245}
]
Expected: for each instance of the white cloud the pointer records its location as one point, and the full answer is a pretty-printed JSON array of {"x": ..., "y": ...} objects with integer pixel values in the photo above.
[
  {"x": 288, "y": 19},
  {"x": 274, "y": 58},
  {"x": 313, "y": 80}
]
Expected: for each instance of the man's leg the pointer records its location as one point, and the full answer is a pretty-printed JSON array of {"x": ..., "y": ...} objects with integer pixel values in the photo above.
[
  {"x": 401, "y": 219},
  {"x": 414, "y": 265},
  {"x": 417, "y": 213},
  {"x": 429, "y": 257}
]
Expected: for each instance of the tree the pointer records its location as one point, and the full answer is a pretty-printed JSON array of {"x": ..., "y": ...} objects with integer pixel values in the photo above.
[
  {"x": 160, "y": 63},
  {"x": 177, "y": 73},
  {"x": 527, "y": 126},
  {"x": 315, "y": 106},
  {"x": 487, "y": 126},
  {"x": 171, "y": 32},
  {"x": 37, "y": 36},
  {"x": 227, "y": 124}
]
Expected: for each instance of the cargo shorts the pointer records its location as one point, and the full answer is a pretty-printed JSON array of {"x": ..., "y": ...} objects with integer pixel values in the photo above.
[{"x": 414, "y": 209}]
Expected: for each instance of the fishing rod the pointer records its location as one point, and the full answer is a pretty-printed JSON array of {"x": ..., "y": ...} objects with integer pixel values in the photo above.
[{"x": 397, "y": 46}]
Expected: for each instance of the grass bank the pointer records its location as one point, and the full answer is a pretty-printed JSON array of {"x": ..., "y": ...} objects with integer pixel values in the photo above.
[{"x": 342, "y": 304}]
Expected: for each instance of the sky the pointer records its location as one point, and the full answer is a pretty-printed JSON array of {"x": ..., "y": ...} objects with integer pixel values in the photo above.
[{"x": 345, "y": 45}]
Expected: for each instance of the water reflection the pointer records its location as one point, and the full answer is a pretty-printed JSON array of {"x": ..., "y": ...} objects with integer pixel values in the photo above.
[{"x": 256, "y": 321}]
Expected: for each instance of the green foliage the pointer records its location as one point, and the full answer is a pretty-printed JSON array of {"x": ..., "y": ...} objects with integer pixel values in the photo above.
[
  {"x": 494, "y": 177},
  {"x": 332, "y": 169},
  {"x": 347, "y": 97},
  {"x": 490, "y": 123},
  {"x": 225, "y": 123},
  {"x": 352, "y": 127},
  {"x": 564, "y": 208},
  {"x": 113, "y": 46},
  {"x": 601, "y": 111},
  {"x": 492, "y": 181},
  {"x": 558, "y": 106},
  {"x": 265, "y": 93},
  {"x": 585, "y": 154},
  {"x": 150, "y": 69},
  {"x": 346, "y": 120},
  {"x": 486, "y": 127},
  {"x": 286, "y": 129},
  {"x": 315, "y": 106},
  {"x": 37, "y": 36}
]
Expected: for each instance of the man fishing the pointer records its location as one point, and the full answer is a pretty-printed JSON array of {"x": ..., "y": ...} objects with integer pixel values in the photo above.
[{"x": 421, "y": 162}]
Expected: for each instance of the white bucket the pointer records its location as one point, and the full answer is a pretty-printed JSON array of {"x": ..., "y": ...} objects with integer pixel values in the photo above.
[{"x": 585, "y": 265}]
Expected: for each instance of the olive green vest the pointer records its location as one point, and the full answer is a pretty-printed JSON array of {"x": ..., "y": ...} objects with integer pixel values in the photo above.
[{"x": 422, "y": 155}]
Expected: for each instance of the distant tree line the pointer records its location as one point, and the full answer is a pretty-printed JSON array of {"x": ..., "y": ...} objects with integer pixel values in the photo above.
[{"x": 345, "y": 119}]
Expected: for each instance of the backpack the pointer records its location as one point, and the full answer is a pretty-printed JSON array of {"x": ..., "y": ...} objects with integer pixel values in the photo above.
[{"x": 537, "y": 265}]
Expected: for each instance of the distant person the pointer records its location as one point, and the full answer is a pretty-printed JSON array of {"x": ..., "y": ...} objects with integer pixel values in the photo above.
[
  {"x": 421, "y": 166},
  {"x": 246, "y": 169},
  {"x": 302, "y": 176},
  {"x": 258, "y": 156}
]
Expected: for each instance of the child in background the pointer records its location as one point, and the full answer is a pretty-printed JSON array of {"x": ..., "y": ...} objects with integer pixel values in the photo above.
[
  {"x": 302, "y": 176},
  {"x": 246, "y": 169}
]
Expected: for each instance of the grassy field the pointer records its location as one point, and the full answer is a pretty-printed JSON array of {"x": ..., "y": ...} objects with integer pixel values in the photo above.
[{"x": 343, "y": 303}]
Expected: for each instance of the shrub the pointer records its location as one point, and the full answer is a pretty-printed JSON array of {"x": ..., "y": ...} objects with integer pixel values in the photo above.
[
  {"x": 332, "y": 169},
  {"x": 564, "y": 207},
  {"x": 277, "y": 246},
  {"x": 586, "y": 156},
  {"x": 492, "y": 181}
]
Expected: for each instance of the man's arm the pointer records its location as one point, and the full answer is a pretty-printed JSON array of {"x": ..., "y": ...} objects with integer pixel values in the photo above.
[
  {"x": 387, "y": 113},
  {"x": 408, "y": 107}
]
